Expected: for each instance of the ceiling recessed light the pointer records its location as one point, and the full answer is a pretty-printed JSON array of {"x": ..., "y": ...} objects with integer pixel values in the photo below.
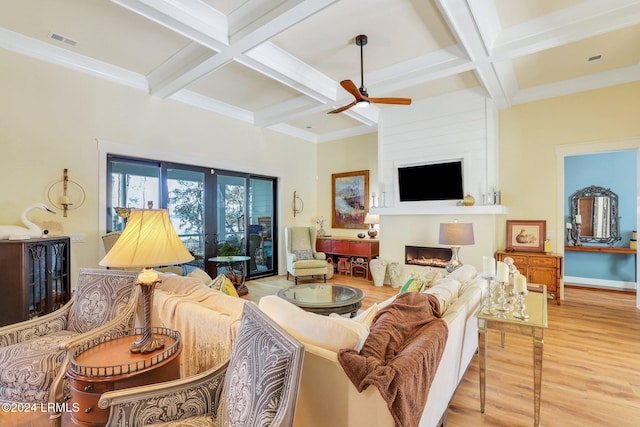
[{"x": 594, "y": 58}]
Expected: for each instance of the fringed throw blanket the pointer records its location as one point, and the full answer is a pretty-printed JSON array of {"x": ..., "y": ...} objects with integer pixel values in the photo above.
[
  {"x": 401, "y": 355},
  {"x": 207, "y": 320}
]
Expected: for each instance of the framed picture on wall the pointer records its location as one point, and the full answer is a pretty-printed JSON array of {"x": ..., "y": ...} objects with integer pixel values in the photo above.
[
  {"x": 526, "y": 235},
  {"x": 349, "y": 199}
]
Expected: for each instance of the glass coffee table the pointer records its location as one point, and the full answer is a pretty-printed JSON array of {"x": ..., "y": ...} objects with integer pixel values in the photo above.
[{"x": 324, "y": 298}]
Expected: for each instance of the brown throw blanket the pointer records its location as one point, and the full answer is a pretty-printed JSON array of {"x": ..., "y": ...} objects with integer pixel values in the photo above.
[{"x": 401, "y": 355}]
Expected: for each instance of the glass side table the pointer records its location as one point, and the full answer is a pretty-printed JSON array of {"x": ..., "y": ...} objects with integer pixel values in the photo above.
[{"x": 533, "y": 326}]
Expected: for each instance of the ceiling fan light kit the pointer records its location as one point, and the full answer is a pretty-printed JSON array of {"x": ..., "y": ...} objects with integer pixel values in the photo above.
[{"x": 361, "y": 96}]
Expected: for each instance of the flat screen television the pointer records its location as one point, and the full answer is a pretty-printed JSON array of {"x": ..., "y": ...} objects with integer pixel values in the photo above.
[{"x": 430, "y": 182}]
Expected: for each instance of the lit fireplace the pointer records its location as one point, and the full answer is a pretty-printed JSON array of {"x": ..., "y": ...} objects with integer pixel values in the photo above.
[{"x": 426, "y": 256}]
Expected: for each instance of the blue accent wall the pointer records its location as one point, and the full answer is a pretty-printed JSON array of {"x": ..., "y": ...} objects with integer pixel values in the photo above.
[{"x": 617, "y": 171}]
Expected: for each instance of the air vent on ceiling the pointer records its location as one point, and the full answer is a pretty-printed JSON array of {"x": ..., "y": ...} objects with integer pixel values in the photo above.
[
  {"x": 63, "y": 39},
  {"x": 594, "y": 58}
]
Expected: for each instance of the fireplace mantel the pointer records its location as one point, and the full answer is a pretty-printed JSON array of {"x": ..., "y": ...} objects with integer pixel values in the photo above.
[{"x": 443, "y": 210}]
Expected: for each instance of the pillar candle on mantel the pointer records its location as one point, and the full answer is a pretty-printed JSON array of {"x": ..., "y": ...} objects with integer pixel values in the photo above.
[
  {"x": 519, "y": 284},
  {"x": 488, "y": 266},
  {"x": 502, "y": 272}
]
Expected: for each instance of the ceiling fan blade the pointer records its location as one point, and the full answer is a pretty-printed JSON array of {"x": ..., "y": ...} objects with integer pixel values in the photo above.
[
  {"x": 350, "y": 87},
  {"x": 398, "y": 101},
  {"x": 341, "y": 109}
]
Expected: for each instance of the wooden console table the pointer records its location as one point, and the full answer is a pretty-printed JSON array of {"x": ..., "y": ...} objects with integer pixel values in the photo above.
[
  {"x": 349, "y": 247},
  {"x": 602, "y": 249},
  {"x": 105, "y": 366},
  {"x": 538, "y": 267}
]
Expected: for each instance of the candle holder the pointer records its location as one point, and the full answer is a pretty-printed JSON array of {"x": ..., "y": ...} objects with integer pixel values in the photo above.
[
  {"x": 520, "y": 307},
  {"x": 502, "y": 304},
  {"x": 578, "y": 230},
  {"x": 487, "y": 303}
]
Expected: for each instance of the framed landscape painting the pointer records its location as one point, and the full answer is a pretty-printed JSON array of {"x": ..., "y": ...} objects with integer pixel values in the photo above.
[
  {"x": 350, "y": 199},
  {"x": 526, "y": 235}
]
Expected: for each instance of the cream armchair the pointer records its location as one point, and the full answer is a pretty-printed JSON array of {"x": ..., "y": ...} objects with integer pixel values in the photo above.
[
  {"x": 257, "y": 386},
  {"x": 302, "y": 258},
  {"x": 34, "y": 354}
]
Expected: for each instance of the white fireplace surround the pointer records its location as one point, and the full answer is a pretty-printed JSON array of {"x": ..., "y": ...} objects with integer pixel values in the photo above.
[{"x": 462, "y": 125}]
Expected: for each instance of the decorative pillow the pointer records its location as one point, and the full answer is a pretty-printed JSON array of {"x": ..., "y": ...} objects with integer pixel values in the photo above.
[
  {"x": 417, "y": 282},
  {"x": 464, "y": 274},
  {"x": 223, "y": 284},
  {"x": 201, "y": 275},
  {"x": 411, "y": 285},
  {"x": 446, "y": 290},
  {"x": 331, "y": 333},
  {"x": 303, "y": 254}
]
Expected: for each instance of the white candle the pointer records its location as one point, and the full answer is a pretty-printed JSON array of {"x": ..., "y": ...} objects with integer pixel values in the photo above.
[
  {"x": 488, "y": 266},
  {"x": 569, "y": 226},
  {"x": 578, "y": 219},
  {"x": 520, "y": 284},
  {"x": 373, "y": 194},
  {"x": 503, "y": 272}
]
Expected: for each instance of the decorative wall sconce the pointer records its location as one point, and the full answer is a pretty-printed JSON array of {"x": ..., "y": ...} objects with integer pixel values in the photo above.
[
  {"x": 66, "y": 194},
  {"x": 297, "y": 205}
]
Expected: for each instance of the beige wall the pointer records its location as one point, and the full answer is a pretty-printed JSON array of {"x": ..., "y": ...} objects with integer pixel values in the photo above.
[
  {"x": 51, "y": 118},
  {"x": 533, "y": 136},
  {"x": 347, "y": 155},
  {"x": 532, "y": 140}
]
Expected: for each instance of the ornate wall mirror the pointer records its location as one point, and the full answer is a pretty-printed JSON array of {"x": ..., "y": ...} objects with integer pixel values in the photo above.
[{"x": 596, "y": 209}]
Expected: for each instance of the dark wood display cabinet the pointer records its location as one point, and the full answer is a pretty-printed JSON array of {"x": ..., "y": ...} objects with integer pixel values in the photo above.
[{"x": 35, "y": 277}]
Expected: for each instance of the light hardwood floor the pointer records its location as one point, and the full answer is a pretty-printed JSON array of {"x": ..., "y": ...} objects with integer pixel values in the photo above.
[{"x": 591, "y": 368}]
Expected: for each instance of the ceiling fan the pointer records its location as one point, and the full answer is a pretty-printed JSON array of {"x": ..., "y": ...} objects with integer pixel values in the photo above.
[{"x": 361, "y": 95}]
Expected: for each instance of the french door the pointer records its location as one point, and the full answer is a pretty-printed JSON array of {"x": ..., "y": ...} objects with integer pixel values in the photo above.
[{"x": 213, "y": 212}]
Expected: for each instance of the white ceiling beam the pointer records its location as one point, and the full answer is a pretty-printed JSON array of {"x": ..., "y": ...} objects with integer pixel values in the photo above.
[
  {"x": 294, "y": 131},
  {"x": 280, "y": 65},
  {"x": 23, "y": 45},
  {"x": 346, "y": 133},
  {"x": 292, "y": 109},
  {"x": 206, "y": 103},
  {"x": 258, "y": 22},
  {"x": 180, "y": 70},
  {"x": 463, "y": 25},
  {"x": 579, "y": 84},
  {"x": 584, "y": 20},
  {"x": 193, "y": 19},
  {"x": 431, "y": 66}
]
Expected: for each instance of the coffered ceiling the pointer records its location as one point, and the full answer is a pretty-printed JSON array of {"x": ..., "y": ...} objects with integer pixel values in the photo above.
[{"x": 278, "y": 63}]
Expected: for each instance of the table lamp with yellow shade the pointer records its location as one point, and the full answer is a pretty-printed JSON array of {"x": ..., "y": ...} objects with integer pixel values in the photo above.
[{"x": 149, "y": 240}]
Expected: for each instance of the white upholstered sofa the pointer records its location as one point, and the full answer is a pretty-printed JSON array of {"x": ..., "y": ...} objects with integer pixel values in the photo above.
[{"x": 327, "y": 396}]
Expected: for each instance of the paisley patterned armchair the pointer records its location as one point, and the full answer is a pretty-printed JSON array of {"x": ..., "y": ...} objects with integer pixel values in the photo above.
[
  {"x": 34, "y": 354},
  {"x": 258, "y": 386}
]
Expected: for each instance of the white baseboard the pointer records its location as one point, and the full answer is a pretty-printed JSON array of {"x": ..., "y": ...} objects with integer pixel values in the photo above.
[{"x": 600, "y": 283}]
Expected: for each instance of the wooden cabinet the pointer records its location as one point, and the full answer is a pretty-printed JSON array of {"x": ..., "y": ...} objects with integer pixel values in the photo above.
[
  {"x": 349, "y": 247},
  {"x": 35, "y": 277},
  {"x": 545, "y": 269}
]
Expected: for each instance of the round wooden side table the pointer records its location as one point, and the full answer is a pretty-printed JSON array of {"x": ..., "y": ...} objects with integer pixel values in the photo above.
[{"x": 105, "y": 365}]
